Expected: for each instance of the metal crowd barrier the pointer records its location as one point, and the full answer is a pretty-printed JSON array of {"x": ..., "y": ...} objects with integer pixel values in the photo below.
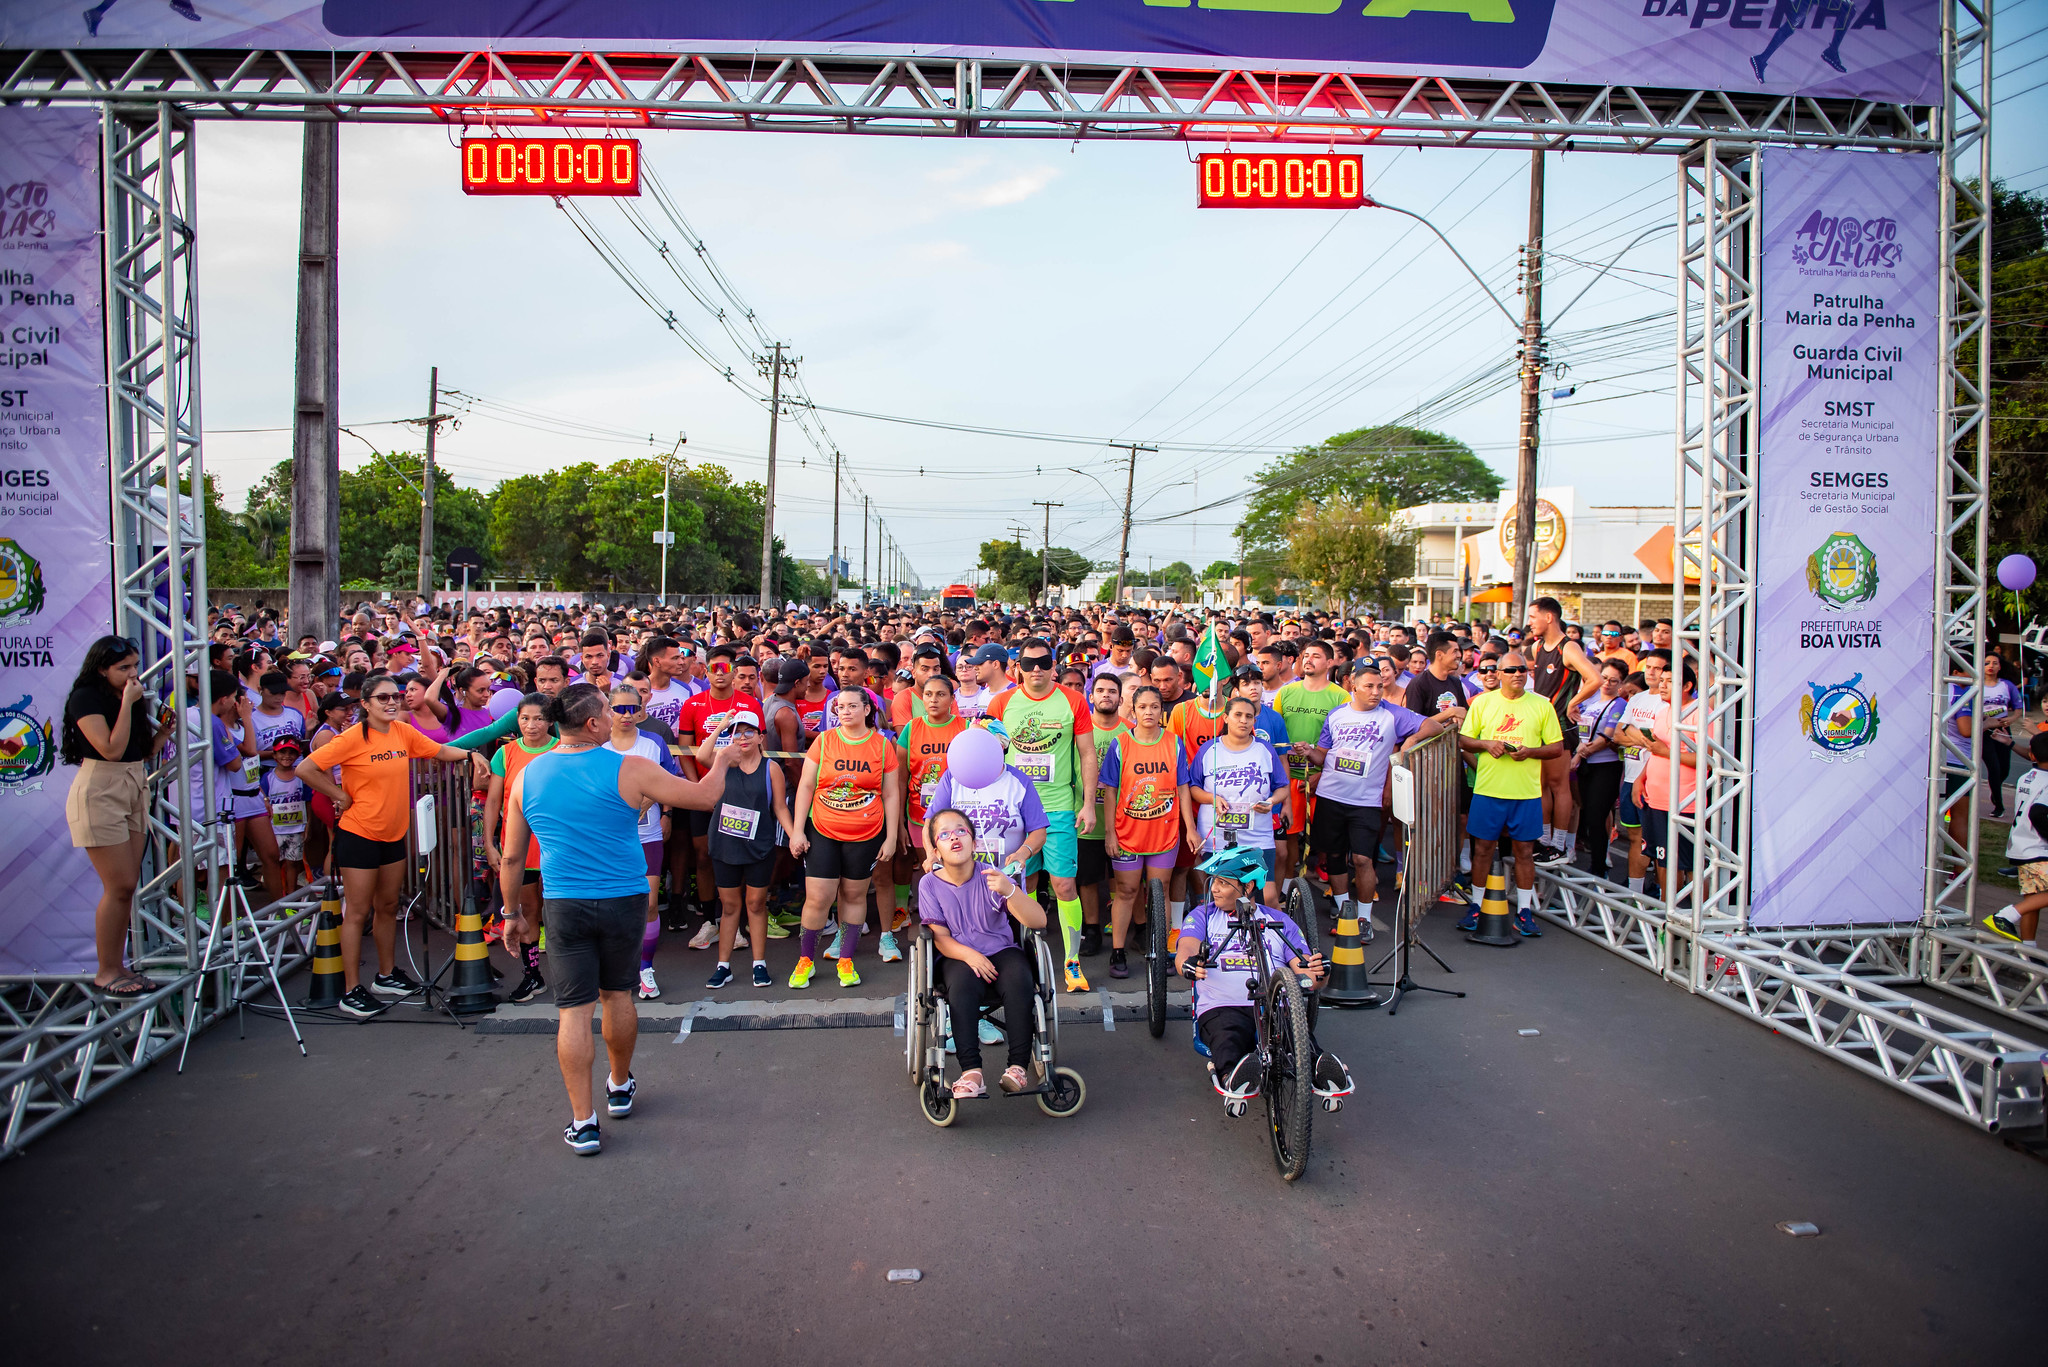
[
  {"x": 1429, "y": 811},
  {"x": 439, "y": 879}
]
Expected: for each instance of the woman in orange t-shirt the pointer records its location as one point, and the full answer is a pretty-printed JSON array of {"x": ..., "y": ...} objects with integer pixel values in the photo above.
[
  {"x": 374, "y": 803},
  {"x": 850, "y": 800}
]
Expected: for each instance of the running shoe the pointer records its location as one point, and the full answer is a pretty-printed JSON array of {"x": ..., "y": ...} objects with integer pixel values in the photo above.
[
  {"x": 649, "y": 989},
  {"x": 359, "y": 1003},
  {"x": 1075, "y": 982},
  {"x": 721, "y": 976},
  {"x": 1525, "y": 922},
  {"x": 1119, "y": 964},
  {"x": 902, "y": 920},
  {"x": 395, "y": 985},
  {"x": 1470, "y": 920},
  {"x": 790, "y": 917},
  {"x": 583, "y": 1138},
  {"x": 762, "y": 978},
  {"x": 849, "y": 976},
  {"x": 1999, "y": 926},
  {"x": 618, "y": 1101},
  {"x": 740, "y": 941},
  {"x": 542, "y": 943},
  {"x": 1365, "y": 931},
  {"x": 706, "y": 936},
  {"x": 886, "y": 947},
  {"x": 1091, "y": 941},
  {"x": 530, "y": 986},
  {"x": 988, "y": 1032},
  {"x": 1243, "y": 1082},
  {"x": 800, "y": 976},
  {"x": 777, "y": 930},
  {"x": 494, "y": 931},
  {"x": 838, "y": 943},
  {"x": 1551, "y": 855}
]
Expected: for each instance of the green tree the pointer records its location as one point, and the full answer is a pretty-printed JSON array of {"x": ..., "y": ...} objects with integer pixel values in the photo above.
[
  {"x": 1348, "y": 548},
  {"x": 1019, "y": 571},
  {"x": 380, "y": 508},
  {"x": 231, "y": 560},
  {"x": 1396, "y": 466}
]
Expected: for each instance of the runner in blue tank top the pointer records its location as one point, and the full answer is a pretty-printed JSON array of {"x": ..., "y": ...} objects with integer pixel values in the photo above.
[{"x": 583, "y": 800}]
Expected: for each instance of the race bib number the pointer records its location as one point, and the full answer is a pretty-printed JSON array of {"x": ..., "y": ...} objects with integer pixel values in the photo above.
[
  {"x": 989, "y": 852},
  {"x": 1349, "y": 761},
  {"x": 926, "y": 791},
  {"x": 288, "y": 817},
  {"x": 738, "y": 822},
  {"x": 1233, "y": 815},
  {"x": 1297, "y": 767},
  {"x": 1037, "y": 768}
]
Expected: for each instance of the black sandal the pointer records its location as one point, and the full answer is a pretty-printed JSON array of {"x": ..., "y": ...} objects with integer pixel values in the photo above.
[{"x": 133, "y": 987}]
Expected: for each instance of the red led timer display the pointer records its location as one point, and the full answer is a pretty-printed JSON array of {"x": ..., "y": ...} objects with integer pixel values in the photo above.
[
  {"x": 1281, "y": 180},
  {"x": 551, "y": 166}
]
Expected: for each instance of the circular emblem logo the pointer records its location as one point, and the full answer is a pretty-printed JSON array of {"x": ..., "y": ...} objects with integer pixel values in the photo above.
[
  {"x": 27, "y": 750},
  {"x": 1842, "y": 571},
  {"x": 1838, "y": 718},
  {"x": 1149, "y": 802},
  {"x": 844, "y": 796},
  {"x": 21, "y": 581},
  {"x": 1033, "y": 738},
  {"x": 1549, "y": 535}
]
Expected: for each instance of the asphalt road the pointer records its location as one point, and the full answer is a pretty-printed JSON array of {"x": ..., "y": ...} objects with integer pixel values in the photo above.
[{"x": 1604, "y": 1192}]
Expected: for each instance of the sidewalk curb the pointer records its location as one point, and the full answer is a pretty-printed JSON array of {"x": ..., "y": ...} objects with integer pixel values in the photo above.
[{"x": 845, "y": 1013}]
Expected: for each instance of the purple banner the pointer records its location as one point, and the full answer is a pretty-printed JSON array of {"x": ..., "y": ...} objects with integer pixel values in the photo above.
[
  {"x": 1873, "y": 49},
  {"x": 56, "y": 574},
  {"x": 1847, "y": 478}
]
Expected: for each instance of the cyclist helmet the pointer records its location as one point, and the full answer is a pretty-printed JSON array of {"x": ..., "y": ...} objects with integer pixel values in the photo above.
[
  {"x": 1240, "y": 865},
  {"x": 995, "y": 728}
]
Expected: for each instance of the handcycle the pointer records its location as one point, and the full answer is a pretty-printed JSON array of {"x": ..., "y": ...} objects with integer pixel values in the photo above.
[
  {"x": 1285, "y": 1051},
  {"x": 1060, "y": 1090}
]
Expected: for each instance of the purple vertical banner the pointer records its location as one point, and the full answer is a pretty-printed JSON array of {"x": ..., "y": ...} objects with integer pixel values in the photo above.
[
  {"x": 1847, "y": 476},
  {"x": 56, "y": 572}
]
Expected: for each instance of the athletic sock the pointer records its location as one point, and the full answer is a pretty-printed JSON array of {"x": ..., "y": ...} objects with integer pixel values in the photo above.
[
  {"x": 2009, "y": 913},
  {"x": 591, "y": 1119},
  {"x": 1525, "y": 899},
  {"x": 760, "y": 963},
  {"x": 1176, "y": 912},
  {"x": 902, "y": 898},
  {"x": 529, "y": 955},
  {"x": 1635, "y": 885},
  {"x": 1465, "y": 860},
  {"x": 1571, "y": 843},
  {"x": 810, "y": 944},
  {"x": 725, "y": 964},
  {"x": 648, "y": 940},
  {"x": 1070, "y": 926},
  {"x": 849, "y": 940}
]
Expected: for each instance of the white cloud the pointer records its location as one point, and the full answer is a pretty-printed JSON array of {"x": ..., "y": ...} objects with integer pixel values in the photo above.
[{"x": 1011, "y": 189}]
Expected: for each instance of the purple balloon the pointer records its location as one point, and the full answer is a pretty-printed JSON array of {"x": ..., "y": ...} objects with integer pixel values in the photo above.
[
  {"x": 975, "y": 758},
  {"x": 2016, "y": 572},
  {"x": 503, "y": 701}
]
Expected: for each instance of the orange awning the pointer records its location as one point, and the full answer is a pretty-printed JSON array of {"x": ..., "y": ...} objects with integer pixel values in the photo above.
[{"x": 1499, "y": 593}]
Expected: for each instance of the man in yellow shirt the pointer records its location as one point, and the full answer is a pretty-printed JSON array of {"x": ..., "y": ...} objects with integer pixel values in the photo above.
[{"x": 1512, "y": 731}]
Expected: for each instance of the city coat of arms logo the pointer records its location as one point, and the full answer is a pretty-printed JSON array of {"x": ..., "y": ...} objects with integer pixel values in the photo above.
[
  {"x": 1839, "y": 719},
  {"x": 1842, "y": 571}
]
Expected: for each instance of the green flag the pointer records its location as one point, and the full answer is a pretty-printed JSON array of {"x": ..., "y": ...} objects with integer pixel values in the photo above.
[{"x": 1209, "y": 663}]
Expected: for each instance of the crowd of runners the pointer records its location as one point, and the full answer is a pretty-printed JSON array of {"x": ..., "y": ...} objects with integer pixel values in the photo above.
[{"x": 780, "y": 771}]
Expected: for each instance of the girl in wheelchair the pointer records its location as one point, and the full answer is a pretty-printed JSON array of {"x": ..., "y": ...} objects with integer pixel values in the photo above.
[
  {"x": 1212, "y": 953},
  {"x": 968, "y": 908}
]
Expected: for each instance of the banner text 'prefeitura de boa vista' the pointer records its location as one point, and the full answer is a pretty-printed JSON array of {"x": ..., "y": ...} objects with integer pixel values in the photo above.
[{"x": 1872, "y": 49}]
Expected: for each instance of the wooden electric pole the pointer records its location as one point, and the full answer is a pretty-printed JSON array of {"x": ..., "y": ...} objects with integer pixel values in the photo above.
[
  {"x": 1123, "y": 553},
  {"x": 1532, "y": 382},
  {"x": 314, "y": 586}
]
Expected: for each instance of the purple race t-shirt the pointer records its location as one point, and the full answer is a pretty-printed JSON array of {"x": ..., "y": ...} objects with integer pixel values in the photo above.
[
  {"x": 1359, "y": 746},
  {"x": 1229, "y": 977},
  {"x": 970, "y": 912}
]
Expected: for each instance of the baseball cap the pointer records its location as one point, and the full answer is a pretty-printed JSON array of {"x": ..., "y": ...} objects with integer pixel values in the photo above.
[
  {"x": 989, "y": 654},
  {"x": 284, "y": 743},
  {"x": 327, "y": 647},
  {"x": 783, "y": 675}
]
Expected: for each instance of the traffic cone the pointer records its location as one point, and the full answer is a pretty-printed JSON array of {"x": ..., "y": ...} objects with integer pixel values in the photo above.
[
  {"x": 1347, "y": 984},
  {"x": 470, "y": 992},
  {"x": 326, "y": 985},
  {"x": 1496, "y": 922}
]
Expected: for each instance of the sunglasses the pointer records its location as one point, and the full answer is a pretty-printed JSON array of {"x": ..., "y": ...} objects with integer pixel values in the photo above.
[
  {"x": 382, "y": 697},
  {"x": 624, "y": 709},
  {"x": 1514, "y": 669},
  {"x": 1035, "y": 662},
  {"x": 1488, "y": 669}
]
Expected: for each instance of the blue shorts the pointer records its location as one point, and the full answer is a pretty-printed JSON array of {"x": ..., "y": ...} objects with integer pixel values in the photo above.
[
  {"x": 1061, "y": 855},
  {"x": 1631, "y": 815},
  {"x": 1518, "y": 818}
]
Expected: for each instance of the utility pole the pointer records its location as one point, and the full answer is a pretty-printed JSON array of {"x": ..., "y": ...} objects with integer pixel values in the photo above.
[
  {"x": 834, "y": 565},
  {"x": 774, "y": 367},
  {"x": 1532, "y": 380},
  {"x": 435, "y": 417},
  {"x": 1240, "y": 571},
  {"x": 865, "y": 509},
  {"x": 1045, "y": 549},
  {"x": 1123, "y": 552},
  {"x": 314, "y": 596},
  {"x": 667, "y": 462}
]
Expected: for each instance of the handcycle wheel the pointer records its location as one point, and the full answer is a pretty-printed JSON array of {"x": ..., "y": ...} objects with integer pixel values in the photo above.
[
  {"x": 1157, "y": 962},
  {"x": 1300, "y": 906},
  {"x": 913, "y": 1013},
  {"x": 935, "y": 1099},
  {"x": 1064, "y": 1093},
  {"x": 1289, "y": 1085}
]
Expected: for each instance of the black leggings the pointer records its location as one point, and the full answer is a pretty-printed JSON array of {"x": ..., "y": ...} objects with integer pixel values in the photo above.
[
  {"x": 1599, "y": 790},
  {"x": 1997, "y": 764},
  {"x": 1230, "y": 1033},
  {"x": 965, "y": 993}
]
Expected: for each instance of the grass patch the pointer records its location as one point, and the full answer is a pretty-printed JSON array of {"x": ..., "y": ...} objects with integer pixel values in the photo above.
[{"x": 1991, "y": 839}]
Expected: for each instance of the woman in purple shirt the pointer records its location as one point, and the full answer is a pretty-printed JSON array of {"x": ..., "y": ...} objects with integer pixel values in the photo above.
[{"x": 968, "y": 908}]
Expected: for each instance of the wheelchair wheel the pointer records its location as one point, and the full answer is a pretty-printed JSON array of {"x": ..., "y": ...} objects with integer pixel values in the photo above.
[
  {"x": 1064, "y": 1093},
  {"x": 1157, "y": 961},
  {"x": 1048, "y": 986},
  {"x": 1290, "y": 1075},
  {"x": 935, "y": 1099},
  {"x": 914, "y": 1012}
]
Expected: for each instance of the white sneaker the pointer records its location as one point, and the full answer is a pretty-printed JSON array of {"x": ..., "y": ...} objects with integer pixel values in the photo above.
[
  {"x": 648, "y": 989},
  {"x": 739, "y": 941},
  {"x": 706, "y": 936}
]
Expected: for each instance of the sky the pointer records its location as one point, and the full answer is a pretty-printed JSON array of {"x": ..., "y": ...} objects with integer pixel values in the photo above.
[{"x": 1052, "y": 288}]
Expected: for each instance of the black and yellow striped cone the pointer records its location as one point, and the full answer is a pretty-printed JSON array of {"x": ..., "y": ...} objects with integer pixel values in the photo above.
[
  {"x": 1347, "y": 984},
  {"x": 327, "y": 984},
  {"x": 470, "y": 992},
  {"x": 1496, "y": 922}
]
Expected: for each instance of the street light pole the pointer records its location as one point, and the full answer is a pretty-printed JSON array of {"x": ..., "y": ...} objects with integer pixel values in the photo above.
[
  {"x": 775, "y": 366},
  {"x": 833, "y": 567},
  {"x": 1123, "y": 553},
  {"x": 666, "y": 463}
]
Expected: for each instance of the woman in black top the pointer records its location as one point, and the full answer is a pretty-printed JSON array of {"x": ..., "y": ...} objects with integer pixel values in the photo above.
[{"x": 108, "y": 734}]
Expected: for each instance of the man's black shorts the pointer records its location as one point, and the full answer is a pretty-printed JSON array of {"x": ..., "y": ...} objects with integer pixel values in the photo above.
[
  {"x": 594, "y": 945},
  {"x": 700, "y": 824},
  {"x": 759, "y": 874},
  {"x": 1093, "y": 859},
  {"x": 1341, "y": 829}
]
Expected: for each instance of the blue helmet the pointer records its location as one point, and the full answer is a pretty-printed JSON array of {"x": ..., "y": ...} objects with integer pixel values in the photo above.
[{"x": 1240, "y": 864}]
